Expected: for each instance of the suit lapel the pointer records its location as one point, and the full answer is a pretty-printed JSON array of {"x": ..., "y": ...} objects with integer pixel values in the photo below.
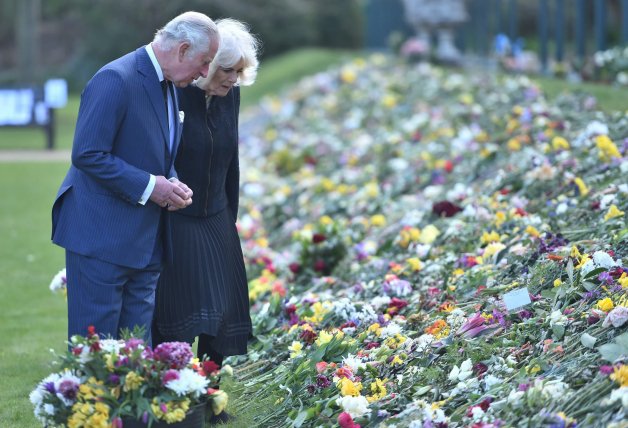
[{"x": 153, "y": 90}]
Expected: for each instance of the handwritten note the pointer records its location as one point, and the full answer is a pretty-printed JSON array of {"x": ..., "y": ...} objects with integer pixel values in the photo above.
[{"x": 517, "y": 298}]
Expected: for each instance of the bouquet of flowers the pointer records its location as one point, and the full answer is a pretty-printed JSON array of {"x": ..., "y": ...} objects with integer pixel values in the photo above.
[{"x": 103, "y": 382}]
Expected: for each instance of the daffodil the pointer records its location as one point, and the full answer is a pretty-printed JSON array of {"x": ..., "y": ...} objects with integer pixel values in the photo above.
[{"x": 613, "y": 212}]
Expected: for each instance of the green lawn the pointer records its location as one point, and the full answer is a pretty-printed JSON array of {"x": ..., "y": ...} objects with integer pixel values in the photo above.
[{"x": 33, "y": 320}]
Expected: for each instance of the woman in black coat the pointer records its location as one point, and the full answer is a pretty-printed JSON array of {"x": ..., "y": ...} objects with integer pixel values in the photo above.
[{"x": 203, "y": 292}]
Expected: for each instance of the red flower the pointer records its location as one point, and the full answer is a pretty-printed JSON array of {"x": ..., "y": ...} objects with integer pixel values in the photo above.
[
  {"x": 449, "y": 166},
  {"x": 210, "y": 367},
  {"x": 308, "y": 336},
  {"x": 320, "y": 265},
  {"x": 294, "y": 267},
  {"x": 346, "y": 421},
  {"x": 318, "y": 238},
  {"x": 91, "y": 331},
  {"x": 445, "y": 209}
]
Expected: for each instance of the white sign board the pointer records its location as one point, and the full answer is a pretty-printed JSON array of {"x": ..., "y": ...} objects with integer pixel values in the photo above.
[
  {"x": 56, "y": 93},
  {"x": 16, "y": 106}
]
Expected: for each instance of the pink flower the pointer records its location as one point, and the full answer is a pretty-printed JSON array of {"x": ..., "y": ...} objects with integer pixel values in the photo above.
[
  {"x": 321, "y": 367},
  {"x": 346, "y": 421},
  {"x": 616, "y": 317}
]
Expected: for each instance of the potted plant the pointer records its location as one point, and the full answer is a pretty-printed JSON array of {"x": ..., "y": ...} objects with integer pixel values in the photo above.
[{"x": 126, "y": 384}]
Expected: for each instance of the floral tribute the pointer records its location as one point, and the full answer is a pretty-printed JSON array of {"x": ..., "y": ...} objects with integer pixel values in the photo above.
[
  {"x": 387, "y": 210},
  {"x": 102, "y": 382}
]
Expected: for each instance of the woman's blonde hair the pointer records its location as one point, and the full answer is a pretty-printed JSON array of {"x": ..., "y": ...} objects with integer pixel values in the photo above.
[{"x": 236, "y": 43}]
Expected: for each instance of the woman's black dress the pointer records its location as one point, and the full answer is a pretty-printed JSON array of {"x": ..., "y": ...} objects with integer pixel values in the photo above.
[{"x": 203, "y": 288}]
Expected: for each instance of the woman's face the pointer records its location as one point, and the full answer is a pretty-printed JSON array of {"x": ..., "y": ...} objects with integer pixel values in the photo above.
[{"x": 224, "y": 79}]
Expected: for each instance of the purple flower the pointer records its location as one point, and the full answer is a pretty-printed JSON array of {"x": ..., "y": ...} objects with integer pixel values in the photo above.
[
  {"x": 68, "y": 388},
  {"x": 523, "y": 387},
  {"x": 169, "y": 375},
  {"x": 322, "y": 381},
  {"x": 145, "y": 414},
  {"x": 50, "y": 387},
  {"x": 114, "y": 379},
  {"x": 605, "y": 278},
  {"x": 175, "y": 354},
  {"x": 607, "y": 370},
  {"x": 524, "y": 314}
]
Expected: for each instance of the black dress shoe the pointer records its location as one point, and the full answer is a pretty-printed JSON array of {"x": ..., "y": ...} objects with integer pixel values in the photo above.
[{"x": 221, "y": 418}]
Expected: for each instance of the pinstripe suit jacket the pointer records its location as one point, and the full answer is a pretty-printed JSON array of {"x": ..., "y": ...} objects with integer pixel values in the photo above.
[{"x": 121, "y": 137}]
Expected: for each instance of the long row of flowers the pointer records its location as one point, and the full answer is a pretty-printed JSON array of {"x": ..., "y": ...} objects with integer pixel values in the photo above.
[{"x": 431, "y": 248}]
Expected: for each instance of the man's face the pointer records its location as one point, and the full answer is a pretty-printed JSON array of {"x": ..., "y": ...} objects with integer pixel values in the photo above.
[
  {"x": 189, "y": 66},
  {"x": 224, "y": 79}
]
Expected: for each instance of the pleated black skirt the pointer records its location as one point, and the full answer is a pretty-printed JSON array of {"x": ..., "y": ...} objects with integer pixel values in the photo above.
[{"x": 204, "y": 289}]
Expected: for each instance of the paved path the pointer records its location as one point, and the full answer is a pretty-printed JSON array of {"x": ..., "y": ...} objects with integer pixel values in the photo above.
[{"x": 34, "y": 156}]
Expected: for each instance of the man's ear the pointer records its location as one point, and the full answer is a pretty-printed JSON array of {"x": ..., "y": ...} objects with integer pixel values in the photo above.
[{"x": 183, "y": 48}]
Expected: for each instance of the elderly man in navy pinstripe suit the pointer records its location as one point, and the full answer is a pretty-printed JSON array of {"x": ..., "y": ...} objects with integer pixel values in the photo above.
[{"x": 111, "y": 207}]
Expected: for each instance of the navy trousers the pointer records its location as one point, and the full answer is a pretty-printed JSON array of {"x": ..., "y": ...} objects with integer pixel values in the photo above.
[{"x": 110, "y": 297}]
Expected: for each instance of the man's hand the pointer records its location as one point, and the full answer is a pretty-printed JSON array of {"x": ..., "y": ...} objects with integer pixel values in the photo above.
[{"x": 173, "y": 195}]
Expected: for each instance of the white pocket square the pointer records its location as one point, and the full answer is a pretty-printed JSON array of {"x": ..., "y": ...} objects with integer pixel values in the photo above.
[{"x": 181, "y": 116}]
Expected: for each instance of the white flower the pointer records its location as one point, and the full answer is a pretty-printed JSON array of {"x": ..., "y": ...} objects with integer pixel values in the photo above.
[
  {"x": 616, "y": 317},
  {"x": 380, "y": 301},
  {"x": 189, "y": 382},
  {"x": 463, "y": 372},
  {"x": 59, "y": 282},
  {"x": 557, "y": 318},
  {"x": 111, "y": 346},
  {"x": 390, "y": 330},
  {"x": 181, "y": 116},
  {"x": 353, "y": 362},
  {"x": 355, "y": 406},
  {"x": 491, "y": 380},
  {"x": 596, "y": 128}
]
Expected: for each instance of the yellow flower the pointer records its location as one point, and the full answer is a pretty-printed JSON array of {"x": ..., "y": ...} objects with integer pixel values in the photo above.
[
  {"x": 582, "y": 188},
  {"x": 378, "y": 389},
  {"x": 219, "y": 401},
  {"x": 605, "y": 304},
  {"x": 414, "y": 263},
  {"x": 608, "y": 149},
  {"x": 348, "y": 387},
  {"x": 492, "y": 249},
  {"x": 320, "y": 310},
  {"x": 295, "y": 349},
  {"x": 558, "y": 282},
  {"x": 583, "y": 259},
  {"x": 429, "y": 234},
  {"x": 623, "y": 280},
  {"x": 378, "y": 220},
  {"x": 620, "y": 375},
  {"x": 396, "y": 361},
  {"x": 559, "y": 143},
  {"x": 327, "y": 184},
  {"x": 514, "y": 145},
  {"x": 500, "y": 218},
  {"x": 326, "y": 220},
  {"x": 132, "y": 381},
  {"x": 531, "y": 230},
  {"x": 466, "y": 98},
  {"x": 458, "y": 272},
  {"x": 348, "y": 75},
  {"x": 490, "y": 237},
  {"x": 323, "y": 338},
  {"x": 389, "y": 100},
  {"x": 375, "y": 329},
  {"x": 575, "y": 252},
  {"x": 613, "y": 212}
]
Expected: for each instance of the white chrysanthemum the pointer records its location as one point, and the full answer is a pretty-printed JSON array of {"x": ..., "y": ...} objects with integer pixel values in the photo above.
[
  {"x": 59, "y": 281},
  {"x": 424, "y": 342},
  {"x": 380, "y": 301},
  {"x": 354, "y": 363},
  {"x": 355, "y": 406},
  {"x": 189, "y": 383},
  {"x": 390, "y": 330},
  {"x": 111, "y": 346},
  {"x": 36, "y": 396}
]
